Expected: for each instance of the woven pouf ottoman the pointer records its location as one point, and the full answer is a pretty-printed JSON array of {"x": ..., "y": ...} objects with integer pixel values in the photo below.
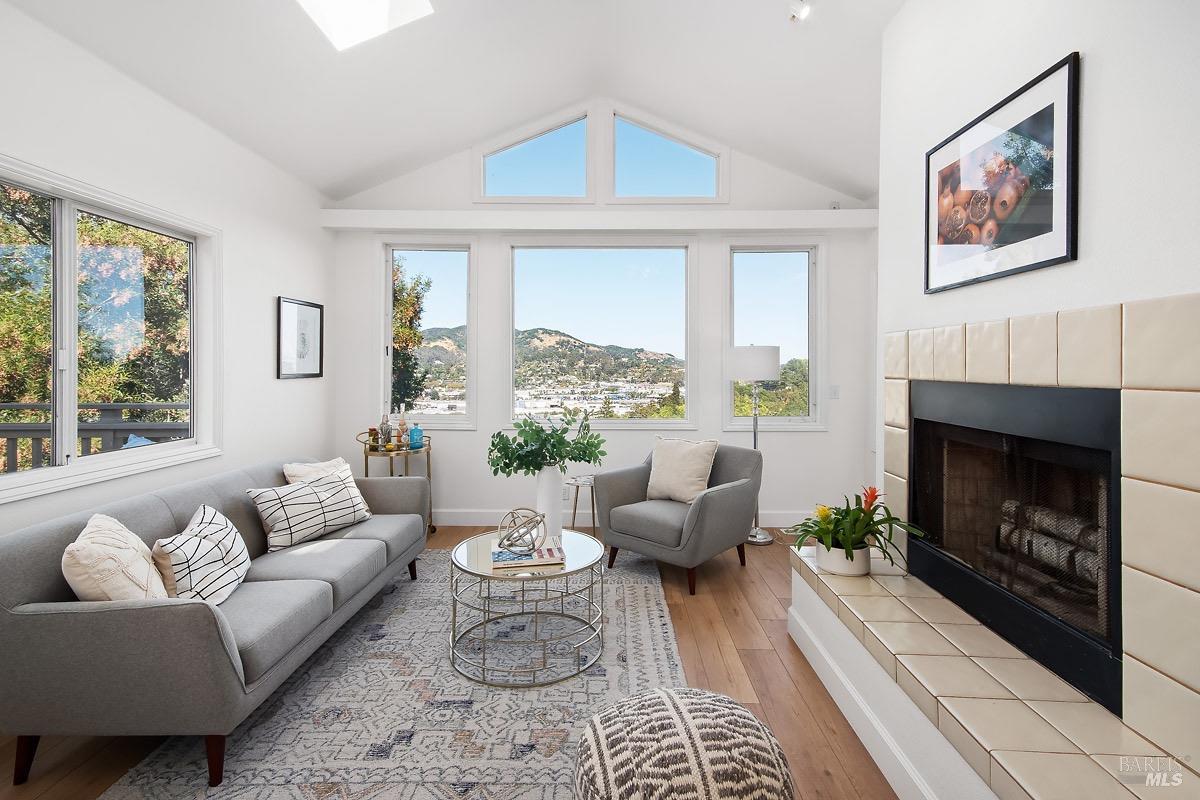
[{"x": 682, "y": 744}]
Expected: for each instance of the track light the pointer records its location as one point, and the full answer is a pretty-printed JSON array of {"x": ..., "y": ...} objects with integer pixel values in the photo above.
[{"x": 800, "y": 10}]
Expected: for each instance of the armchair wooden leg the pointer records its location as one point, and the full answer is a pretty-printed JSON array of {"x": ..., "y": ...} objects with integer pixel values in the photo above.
[
  {"x": 742, "y": 554},
  {"x": 412, "y": 569},
  {"x": 214, "y": 746},
  {"x": 691, "y": 580},
  {"x": 26, "y": 748},
  {"x": 612, "y": 557}
]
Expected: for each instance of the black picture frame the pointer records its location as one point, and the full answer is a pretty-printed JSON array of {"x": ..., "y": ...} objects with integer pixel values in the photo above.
[
  {"x": 282, "y": 372},
  {"x": 1070, "y": 192}
]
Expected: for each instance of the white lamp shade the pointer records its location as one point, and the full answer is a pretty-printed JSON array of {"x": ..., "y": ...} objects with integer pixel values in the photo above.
[{"x": 755, "y": 363}]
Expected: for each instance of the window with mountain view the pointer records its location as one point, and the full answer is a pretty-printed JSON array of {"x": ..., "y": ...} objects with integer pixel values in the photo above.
[
  {"x": 771, "y": 307},
  {"x": 553, "y": 164},
  {"x": 648, "y": 164},
  {"x": 131, "y": 349},
  {"x": 429, "y": 331},
  {"x": 601, "y": 330}
]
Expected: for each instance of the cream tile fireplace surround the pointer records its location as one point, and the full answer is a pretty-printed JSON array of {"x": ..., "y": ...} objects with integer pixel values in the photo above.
[{"x": 1149, "y": 350}]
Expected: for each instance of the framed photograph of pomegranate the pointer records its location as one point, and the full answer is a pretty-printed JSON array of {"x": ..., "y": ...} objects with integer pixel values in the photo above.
[{"x": 1000, "y": 194}]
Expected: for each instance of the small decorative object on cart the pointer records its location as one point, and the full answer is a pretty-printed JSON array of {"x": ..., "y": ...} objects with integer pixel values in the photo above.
[
  {"x": 373, "y": 438},
  {"x": 845, "y": 535},
  {"x": 416, "y": 437},
  {"x": 521, "y": 531},
  {"x": 385, "y": 430}
]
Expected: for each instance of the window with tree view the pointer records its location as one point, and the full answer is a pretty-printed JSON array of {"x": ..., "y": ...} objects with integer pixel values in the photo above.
[
  {"x": 771, "y": 307},
  {"x": 429, "y": 331},
  {"x": 127, "y": 363},
  {"x": 573, "y": 347}
]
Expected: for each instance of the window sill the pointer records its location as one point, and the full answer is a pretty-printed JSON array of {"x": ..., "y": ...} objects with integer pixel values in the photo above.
[
  {"x": 776, "y": 425},
  {"x": 104, "y": 467},
  {"x": 441, "y": 423}
]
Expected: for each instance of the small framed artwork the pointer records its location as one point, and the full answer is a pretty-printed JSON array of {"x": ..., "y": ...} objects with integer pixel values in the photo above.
[
  {"x": 1001, "y": 194},
  {"x": 301, "y": 342}
]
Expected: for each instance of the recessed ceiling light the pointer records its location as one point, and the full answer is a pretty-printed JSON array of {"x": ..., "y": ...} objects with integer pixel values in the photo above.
[
  {"x": 800, "y": 10},
  {"x": 349, "y": 22}
]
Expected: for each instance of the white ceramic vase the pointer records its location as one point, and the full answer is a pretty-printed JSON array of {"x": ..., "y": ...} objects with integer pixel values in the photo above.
[
  {"x": 835, "y": 561},
  {"x": 549, "y": 499}
]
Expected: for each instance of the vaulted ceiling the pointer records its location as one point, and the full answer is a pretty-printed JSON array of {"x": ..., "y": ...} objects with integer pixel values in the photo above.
[{"x": 802, "y": 96}]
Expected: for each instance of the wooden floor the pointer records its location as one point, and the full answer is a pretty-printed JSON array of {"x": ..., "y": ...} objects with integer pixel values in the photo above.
[{"x": 732, "y": 638}]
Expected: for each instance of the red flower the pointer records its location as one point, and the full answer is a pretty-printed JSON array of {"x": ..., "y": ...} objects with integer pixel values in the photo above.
[{"x": 870, "y": 495}]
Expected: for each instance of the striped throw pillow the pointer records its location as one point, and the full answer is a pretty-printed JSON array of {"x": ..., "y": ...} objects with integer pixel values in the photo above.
[
  {"x": 301, "y": 511},
  {"x": 207, "y": 561}
]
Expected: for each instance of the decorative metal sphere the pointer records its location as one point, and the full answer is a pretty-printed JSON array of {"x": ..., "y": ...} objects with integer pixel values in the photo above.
[{"x": 522, "y": 531}]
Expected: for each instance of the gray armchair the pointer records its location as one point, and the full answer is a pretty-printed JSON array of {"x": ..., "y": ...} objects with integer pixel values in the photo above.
[{"x": 683, "y": 534}]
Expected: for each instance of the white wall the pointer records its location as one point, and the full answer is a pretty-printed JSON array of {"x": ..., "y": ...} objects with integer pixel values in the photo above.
[
  {"x": 68, "y": 112},
  {"x": 1138, "y": 120},
  {"x": 801, "y": 467}
]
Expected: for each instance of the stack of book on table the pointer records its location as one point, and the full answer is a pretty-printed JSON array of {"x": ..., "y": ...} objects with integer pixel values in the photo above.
[{"x": 550, "y": 554}]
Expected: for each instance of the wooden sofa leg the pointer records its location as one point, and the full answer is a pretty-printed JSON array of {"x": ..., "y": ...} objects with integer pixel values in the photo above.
[
  {"x": 691, "y": 580},
  {"x": 215, "y": 747},
  {"x": 412, "y": 569},
  {"x": 742, "y": 554},
  {"x": 26, "y": 748},
  {"x": 612, "y": 557}
]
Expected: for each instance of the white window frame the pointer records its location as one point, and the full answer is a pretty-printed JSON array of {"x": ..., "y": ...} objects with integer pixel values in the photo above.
[
  {"x": 816, "y": 247},
  {"x": 583, "y": 241},
  {"x": 526, "y": 133},
  {"x": 666, "y": 130},
  {"x": 70, "y": 471},
  {"x": 470, "y": 245}
]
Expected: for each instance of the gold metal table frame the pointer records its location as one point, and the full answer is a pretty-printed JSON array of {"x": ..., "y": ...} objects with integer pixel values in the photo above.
[
  {"x": 373, "y": 451},
  {"x": 559, "y": 614}
]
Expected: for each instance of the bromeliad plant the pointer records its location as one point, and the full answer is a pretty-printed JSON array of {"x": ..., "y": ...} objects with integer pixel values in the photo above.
[
  {"x": 538, "y": 445},
  {"x": 865, "y": 524}
]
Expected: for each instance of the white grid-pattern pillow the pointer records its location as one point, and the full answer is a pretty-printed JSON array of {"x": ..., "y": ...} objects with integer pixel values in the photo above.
[
  {"x": 301, "y": 511},
  {"x": 207, "y": 561}
]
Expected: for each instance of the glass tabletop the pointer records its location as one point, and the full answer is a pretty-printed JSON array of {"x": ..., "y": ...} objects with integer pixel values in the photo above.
[{"x": 475, "y": 556}]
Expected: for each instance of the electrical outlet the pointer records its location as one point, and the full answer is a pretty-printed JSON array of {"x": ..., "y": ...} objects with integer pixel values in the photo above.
[
  {"x": 836, "y": 205},
  {"x": 835, "y": 392},
  {"x": 566, "y": 494}
]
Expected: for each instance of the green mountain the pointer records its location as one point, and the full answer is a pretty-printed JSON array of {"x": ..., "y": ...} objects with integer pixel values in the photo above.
[{"x": 545, "y": 356}]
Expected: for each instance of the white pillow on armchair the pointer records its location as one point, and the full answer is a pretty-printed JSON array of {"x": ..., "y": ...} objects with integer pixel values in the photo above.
[{"x": 679, "y": 469}]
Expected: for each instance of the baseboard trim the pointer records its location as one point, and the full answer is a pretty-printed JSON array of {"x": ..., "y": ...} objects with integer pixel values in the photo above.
[{"x": 915, "y": 758}]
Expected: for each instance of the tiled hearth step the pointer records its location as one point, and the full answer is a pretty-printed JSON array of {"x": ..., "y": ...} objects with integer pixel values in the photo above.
[{"x": 1025, "y": 731}]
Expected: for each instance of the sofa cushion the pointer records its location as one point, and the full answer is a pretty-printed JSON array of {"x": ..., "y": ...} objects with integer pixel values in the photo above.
[
  {"x": 269, "y": 618},
  {"x": 659, "y": 521},
  {"x": 346, "y": 565},
  {"x": 399, "y": 532}
]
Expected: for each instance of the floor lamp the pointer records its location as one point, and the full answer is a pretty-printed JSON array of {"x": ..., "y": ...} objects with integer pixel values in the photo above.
[{"x": 753, "y": 365}]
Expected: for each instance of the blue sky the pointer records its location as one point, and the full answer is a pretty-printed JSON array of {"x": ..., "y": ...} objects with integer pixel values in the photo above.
[
  {"x": 551, "y": 165},
  {"x": 633, "y": 297},
  {"x": 650, "y": 165},
  {"x": 770, "y": 301}
]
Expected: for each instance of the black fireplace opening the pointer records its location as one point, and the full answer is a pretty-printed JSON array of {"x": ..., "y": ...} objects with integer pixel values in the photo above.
[{"x": 1017, "y": 488}]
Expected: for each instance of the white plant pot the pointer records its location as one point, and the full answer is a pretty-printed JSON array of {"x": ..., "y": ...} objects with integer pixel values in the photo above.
[
  {"x": 549, "y": 499},
  {"x": 835, "y": 561}
]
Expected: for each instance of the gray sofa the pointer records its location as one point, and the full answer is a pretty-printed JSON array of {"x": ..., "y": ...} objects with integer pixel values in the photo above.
[
  {"x": 172, "y": 667},
  {"x": 683, "y": 534}
]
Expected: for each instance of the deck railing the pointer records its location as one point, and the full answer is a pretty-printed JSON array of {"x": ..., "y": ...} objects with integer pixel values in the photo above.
[{"x": 108, "y": 429}]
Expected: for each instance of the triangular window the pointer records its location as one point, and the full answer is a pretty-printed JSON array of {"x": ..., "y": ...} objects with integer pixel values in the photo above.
[
  {"x": 552, "y": 164},
  {"x": 649, "y": 164}
]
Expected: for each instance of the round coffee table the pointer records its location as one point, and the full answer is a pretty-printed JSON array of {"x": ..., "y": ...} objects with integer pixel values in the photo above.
[{"x": 517, "y": 628}]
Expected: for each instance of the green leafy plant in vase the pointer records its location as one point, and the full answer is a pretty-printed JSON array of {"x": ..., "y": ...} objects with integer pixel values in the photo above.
[
  {"x": 544, "y": 449},
  {"x": 845, "y": 535}
]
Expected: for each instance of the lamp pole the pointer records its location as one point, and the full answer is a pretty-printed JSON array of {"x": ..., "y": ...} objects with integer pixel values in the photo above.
[{"x": 757, "y": 535}]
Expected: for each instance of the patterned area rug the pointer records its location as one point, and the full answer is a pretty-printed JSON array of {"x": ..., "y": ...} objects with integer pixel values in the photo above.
[{"x": 379, "y": 713}]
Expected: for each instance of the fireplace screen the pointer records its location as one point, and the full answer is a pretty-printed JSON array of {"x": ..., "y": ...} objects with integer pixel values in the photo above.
[{"x": 1030, "y": 515}]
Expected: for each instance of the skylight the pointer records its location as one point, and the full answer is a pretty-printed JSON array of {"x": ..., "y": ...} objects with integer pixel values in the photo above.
[{"x": 349, "y": 22}]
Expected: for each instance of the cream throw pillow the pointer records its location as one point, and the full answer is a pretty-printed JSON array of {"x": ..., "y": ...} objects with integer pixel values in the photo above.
[
  {"x": 679, "y": 469},
  {"x": 205, "y": 562},
  {"x": 323, "y": 470},
  {"x": 109, "y": 562}
]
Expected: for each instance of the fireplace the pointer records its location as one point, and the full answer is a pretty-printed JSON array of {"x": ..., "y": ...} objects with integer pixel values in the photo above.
[{"x": 1018, "y": 489}]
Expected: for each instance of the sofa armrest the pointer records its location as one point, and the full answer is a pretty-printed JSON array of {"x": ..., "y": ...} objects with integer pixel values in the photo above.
[
  {"x": 721, "y": 516},
  {"x": 618, "y": 487},
  {"x": 396, "y": 495},
  {"x": 118, "y": 667}
]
